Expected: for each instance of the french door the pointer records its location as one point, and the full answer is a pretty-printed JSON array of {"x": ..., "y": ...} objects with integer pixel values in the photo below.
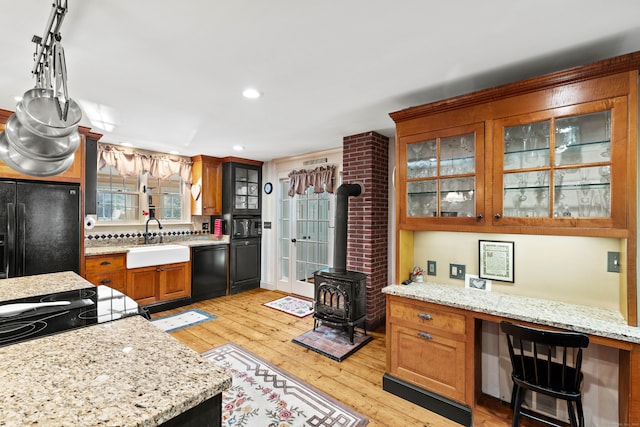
[{"x": 305, "y": 238}]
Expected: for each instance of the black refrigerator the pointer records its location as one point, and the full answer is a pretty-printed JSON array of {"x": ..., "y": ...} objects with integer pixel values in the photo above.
[{"x": 39, "y": 228}]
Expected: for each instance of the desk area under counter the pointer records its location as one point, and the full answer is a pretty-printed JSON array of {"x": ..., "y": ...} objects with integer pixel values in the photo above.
[{"x": 435, "y": 343}]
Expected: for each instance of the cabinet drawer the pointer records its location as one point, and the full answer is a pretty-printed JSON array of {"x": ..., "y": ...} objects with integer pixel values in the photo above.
[
  {"x": 424, "y": 315},
  {"x": 100, "y": 263},
  {"x": 112, "y": 279},
  {"x": 428, "y": 360}
]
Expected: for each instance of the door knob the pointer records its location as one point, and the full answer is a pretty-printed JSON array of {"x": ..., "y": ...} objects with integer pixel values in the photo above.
[
  {"x": 497, "y": 216},
  {"x": 294, "y": 240}
]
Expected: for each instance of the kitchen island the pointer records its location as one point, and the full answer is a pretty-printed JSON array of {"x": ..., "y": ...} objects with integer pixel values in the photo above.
[{"x": 125, "y": 372}]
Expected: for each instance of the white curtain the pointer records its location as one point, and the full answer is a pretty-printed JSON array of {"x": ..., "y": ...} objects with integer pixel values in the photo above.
[{"x": 132, "y": 163}]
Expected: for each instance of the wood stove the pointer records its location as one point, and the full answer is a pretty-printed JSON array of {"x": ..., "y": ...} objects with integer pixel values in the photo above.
[{"x": 340, "y": 296}]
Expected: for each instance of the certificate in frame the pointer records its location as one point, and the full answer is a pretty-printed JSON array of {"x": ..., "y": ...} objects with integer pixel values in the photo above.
[{"x": 496, "y": 260}]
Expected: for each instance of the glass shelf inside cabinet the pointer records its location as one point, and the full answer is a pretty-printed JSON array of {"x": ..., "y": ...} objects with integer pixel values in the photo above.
[{"x": 527, "y": 145}]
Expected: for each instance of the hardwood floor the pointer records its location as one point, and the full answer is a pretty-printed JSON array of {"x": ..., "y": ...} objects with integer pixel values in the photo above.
[{"x": 356, "y": 381}]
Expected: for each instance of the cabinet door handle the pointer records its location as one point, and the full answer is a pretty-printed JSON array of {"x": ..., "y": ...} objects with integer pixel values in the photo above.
[
  {"x": 479, "y": 217},
  {"x": 425, "y": 335},
  {"x": 497, "y": 216},
  {"x": 105, "y": 263},
  {"x": 105, "y": 282},
  {"x": 425, "y": 316}
]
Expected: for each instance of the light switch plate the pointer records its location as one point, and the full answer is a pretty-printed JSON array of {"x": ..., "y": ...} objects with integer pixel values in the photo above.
[
  {"x": 613, "y": 262},
  {"x": 456, "y": 271},
  {"x": 431, "y": 268}
]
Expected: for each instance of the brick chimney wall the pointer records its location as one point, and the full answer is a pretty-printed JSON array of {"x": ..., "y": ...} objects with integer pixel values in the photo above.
[{"x": 365, "y": 161}]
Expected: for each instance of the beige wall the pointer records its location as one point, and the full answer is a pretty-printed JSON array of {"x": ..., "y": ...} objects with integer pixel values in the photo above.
[{"x": 570, "y": 269}]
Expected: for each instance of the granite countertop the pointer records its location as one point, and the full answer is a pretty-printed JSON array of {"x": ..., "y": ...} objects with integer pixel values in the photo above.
[
  {"x": 590, "y": 320},
  {"x": 121, "y": 373},
  {"x": 116, "y": 249},
  {"x": 29, "y": 286}
]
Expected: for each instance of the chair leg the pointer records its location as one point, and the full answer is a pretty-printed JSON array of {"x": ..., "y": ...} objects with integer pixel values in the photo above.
[
  {"x": 580, "y": 413},
  {"x": 572, "y": 414},
  {"x": 517, "y": 404}
]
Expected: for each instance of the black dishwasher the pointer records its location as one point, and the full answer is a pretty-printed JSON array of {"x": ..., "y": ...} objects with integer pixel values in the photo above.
[{"x": 209, "y": 271}]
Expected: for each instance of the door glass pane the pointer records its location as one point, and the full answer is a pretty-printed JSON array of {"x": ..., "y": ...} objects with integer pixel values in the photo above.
[
  {"x": 583, "y": 192},
  {"x": 583, "y": 139},
  {"x": 457, "y": 197},
  {"x": 422, "y": 198},
  {"x": 526, "y": 194},
  {"x": 457, "y": 155},
  {"x": 526, "y": 146},
  {"x": 421, "y": 159}
]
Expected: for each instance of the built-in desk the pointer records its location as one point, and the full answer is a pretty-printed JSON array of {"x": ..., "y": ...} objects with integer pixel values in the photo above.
[{"x": 449, "y": 318}]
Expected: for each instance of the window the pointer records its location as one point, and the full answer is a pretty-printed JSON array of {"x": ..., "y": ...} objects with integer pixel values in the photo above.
[
  {"x": 118, "y": 198},
  {"x": 123, "y": 199},
  {"x": 166, "y": 196}
]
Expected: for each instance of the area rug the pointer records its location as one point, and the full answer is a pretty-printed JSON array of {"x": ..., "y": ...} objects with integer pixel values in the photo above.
[
  {"x": 264, "y": 395},
  {"x": 174, "y": 322},
  {"x": 333, "y": 343},
  {"x": 292, "y": 305}
]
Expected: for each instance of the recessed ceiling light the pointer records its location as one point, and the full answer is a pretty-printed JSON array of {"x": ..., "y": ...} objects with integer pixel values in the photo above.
[
  {"x": 174, "y": 152},
  {"x": 126, "y": 144},
  {"x": 251, "y": 93},
  {"x": 238, "y": 147}
]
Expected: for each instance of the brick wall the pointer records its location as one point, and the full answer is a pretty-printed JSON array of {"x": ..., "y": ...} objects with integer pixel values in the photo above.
[{"x": 365, "y": 161}]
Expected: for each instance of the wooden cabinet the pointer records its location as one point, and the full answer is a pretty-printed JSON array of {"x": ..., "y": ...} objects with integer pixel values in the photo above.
[
  {"x": 148, "y": 285},
  {"x": 108, "y": 270},
  {"x": 429, "y": 345},
  {"x": 207, "y": 185},
  {"x": 544, "y": 156},
  {"x": 442, "y": 176}
]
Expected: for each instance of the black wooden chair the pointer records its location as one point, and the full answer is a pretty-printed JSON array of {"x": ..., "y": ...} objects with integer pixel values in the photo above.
[{"x": 535, "y": 368}]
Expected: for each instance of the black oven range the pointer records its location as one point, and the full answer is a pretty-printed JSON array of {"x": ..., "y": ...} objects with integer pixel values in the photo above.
[{"x": 33, "y": 317}]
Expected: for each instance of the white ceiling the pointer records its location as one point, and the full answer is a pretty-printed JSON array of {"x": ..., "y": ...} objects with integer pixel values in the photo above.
[{"x": 168, "y": 75}]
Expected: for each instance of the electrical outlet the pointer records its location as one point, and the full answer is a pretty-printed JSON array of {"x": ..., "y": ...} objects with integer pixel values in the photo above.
[
  {"x": 456, "y": 271},
  {"x": 613, "y": 262},
  {"x": 431, "y": 268}
]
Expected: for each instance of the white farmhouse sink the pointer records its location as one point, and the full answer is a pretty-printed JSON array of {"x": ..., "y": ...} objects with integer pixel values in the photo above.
[{"x": 145, "y": 256}]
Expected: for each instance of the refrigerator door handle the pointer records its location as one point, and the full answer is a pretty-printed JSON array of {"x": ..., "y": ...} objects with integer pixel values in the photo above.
[
  {"x": 10, "y": 241},
  {"x": 20, "y": 233}
]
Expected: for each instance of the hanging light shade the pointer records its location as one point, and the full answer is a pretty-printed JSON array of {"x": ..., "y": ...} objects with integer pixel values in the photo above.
[{"x": 40, "y": 139}]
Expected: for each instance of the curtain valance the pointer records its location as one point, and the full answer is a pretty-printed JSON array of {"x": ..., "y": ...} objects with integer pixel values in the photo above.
[
  {"x": 131, "y": 163},
  {"x": 320, "y": 178}
]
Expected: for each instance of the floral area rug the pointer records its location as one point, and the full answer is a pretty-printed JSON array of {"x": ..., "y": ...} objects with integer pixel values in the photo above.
[
  {"x": 292, "y": 305},
  {"x": 173, "y": 322},
  {"x": 263, "y": 395}
]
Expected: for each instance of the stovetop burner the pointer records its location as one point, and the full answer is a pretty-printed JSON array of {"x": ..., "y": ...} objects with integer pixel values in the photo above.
[{"x": 28, "y": 318}]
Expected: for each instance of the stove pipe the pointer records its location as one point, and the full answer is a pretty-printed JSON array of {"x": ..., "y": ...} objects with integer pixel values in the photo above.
[{"x": 342, "y": 217}]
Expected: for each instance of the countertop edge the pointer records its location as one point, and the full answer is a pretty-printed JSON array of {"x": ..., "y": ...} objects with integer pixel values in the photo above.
[{"x": 589, "y": 320}]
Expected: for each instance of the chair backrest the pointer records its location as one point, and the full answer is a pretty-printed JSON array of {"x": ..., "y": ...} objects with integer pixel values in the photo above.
[{"x": 552, "y": 364}]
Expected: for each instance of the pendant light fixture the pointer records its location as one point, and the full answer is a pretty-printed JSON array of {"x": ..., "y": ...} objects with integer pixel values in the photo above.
[{"x": 41, "y": 137}]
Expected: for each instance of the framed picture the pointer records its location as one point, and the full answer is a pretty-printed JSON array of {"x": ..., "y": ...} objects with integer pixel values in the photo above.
[
  {"x": 471, "y": 281},
  {"x": 496, "y": 260}
]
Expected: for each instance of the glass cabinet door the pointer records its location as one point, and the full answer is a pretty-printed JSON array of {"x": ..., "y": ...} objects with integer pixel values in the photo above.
[
  {"x": 557, "y": 167},
  {"x": 441, "y": 174},
  {"x": 247, "y": 189}
]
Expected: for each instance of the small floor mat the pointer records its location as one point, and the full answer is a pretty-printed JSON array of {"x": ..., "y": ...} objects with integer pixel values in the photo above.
[
  {"x": 173, "y": 322},
  {"x": 332, "y": 343},
  {"x": 292, "y": 305}
]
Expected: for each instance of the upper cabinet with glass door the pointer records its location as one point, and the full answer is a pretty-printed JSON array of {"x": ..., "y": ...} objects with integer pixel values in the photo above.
[
  {"x": 561, "y": 167},
  {"x": 440, "y": 175},
  {"x": 241, "y": 188},
  {"x": 554, "y": 154}
]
